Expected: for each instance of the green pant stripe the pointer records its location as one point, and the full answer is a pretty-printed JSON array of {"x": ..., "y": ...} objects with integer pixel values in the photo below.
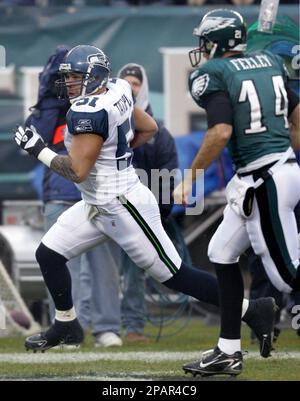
[{"x": 149, "y": 234}]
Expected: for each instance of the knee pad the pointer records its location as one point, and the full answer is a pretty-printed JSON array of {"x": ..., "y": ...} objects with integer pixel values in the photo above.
[
  {"x": 217, "y": 254},
  {"x": 41, "y": 254},
  {"x": 212, "y": 252},
  {"x": 56, "y": 276},
  {"x": 46, "y": 256}
]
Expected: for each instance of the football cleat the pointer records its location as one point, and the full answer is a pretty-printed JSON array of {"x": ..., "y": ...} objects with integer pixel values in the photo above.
[
  {"x": 59, "y": 333},
  {"x": 260, "y": 317},
  {"x": 276, "y": 334},
  {"x": 216, "y": 362}
]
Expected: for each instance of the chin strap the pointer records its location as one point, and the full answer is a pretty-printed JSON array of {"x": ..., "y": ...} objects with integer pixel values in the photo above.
[{"x": 213, "y": 51}]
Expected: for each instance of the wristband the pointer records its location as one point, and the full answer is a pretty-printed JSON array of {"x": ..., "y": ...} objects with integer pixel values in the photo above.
[{"x": 46, "y": 156}]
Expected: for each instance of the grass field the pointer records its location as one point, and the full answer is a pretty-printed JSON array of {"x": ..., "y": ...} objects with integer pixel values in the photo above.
[{"x": 154, "y": 361}]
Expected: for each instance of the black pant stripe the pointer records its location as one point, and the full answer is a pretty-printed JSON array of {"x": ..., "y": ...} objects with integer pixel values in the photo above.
[{"x": 264, "y": 204}]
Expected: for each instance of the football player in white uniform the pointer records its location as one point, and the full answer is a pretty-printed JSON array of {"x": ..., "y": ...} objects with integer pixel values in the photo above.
[{"x": 101, "y": 124}]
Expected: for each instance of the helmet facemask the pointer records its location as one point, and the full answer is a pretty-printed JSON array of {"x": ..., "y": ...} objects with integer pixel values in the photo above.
[
  {"x": 206, "y": 47},
  {"x": 86, "y": 84}
]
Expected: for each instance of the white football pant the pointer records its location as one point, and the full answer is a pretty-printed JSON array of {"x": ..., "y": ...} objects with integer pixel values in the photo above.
[
  {"x": 271, "y": 230},
  {"x": 133, "y": 222}
]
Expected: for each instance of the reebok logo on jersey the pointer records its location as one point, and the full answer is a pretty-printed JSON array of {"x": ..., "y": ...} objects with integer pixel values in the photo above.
[
  {"x": 199, "y": 86},
  {"x": 84, "y": 125}
]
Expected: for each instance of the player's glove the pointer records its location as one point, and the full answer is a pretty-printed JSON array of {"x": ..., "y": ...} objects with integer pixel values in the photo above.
[{"x": 29, "y": 140}]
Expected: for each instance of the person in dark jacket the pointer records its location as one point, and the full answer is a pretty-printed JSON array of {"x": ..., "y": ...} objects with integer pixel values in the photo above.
[
  {"x": 49, "y": 117},
  {"x": 158, "y": 154}
]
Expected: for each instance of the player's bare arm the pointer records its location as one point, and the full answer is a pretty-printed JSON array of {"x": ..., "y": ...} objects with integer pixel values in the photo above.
[
  {"x": 294, "y": 120},
  {"x": 145, "y": 127},
  {"x": 214, "y": 142},
  {"x": 77, "y": 164}
]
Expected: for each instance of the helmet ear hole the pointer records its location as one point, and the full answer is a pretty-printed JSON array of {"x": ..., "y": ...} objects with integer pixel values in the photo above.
[{"x": 231, "y": 42}]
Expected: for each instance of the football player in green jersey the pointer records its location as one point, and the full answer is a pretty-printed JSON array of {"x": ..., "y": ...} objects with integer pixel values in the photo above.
[{"x": 251, "y": 110}]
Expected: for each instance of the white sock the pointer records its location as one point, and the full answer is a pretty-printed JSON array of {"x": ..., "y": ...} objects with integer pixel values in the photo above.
[
  {"x": 245, "y": 306},
  {"x": 65, "y": 315},
  {"x": 229, "y": 346}
]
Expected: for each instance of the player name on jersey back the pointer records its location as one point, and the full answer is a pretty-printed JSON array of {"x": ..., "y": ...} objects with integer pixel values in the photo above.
[
  {"x": 249, "y": 63},
  {"x": 123, "y": 104}
]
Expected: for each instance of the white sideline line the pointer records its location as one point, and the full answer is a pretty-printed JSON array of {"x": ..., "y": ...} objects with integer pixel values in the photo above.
[
  {"x": 146, "y": 357},
  {"x": 147, "y": 375}
]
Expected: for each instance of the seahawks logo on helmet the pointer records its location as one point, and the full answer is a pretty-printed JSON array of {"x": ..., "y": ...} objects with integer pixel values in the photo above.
[
  {"x": 199, "y": 86},
  {"x": 99, "y": 59}
]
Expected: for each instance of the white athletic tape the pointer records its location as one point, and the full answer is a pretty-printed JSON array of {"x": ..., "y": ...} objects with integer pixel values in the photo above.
[{"x": 46, "y": 156}]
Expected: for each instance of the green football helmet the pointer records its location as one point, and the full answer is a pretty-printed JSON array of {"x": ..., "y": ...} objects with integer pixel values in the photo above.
[{"x": 219, "y": 31}]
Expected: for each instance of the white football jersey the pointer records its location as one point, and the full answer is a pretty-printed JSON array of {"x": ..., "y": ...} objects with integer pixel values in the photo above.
[{"x": 109, "y": 115}]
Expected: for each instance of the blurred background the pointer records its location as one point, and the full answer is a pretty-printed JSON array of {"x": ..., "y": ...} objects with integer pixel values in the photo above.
[{"x": 155, "y": 34}]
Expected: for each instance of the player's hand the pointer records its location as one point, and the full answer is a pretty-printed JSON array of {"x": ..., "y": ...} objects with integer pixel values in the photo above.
[
  {"x": 29, "y": 140},
  {"x": 181, "y": 193}
]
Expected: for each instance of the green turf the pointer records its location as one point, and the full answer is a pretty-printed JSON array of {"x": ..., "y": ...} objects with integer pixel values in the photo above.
[
  {"x": 194, "y": 337},
  {"x": 253, "y": 370}
]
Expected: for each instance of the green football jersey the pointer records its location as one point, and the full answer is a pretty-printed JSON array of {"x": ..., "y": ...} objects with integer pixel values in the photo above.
[{"x": 255, "y": 85}]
